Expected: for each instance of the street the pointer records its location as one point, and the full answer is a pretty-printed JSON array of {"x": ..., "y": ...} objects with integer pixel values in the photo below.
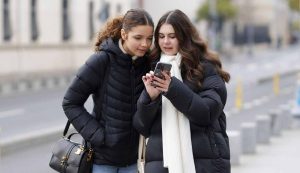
[
  {"x": 30, "y": 112},
  {"x": 35, "y": 159}
]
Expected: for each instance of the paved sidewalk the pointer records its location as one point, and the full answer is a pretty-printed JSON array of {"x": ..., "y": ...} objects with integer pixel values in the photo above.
[{"x": 282, "y": 155}]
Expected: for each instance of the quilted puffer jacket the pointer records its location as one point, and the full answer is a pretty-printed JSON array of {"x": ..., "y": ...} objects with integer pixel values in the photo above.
[
  {"x": 114, "y": 81},
  {"x": 204, "y": 109}
]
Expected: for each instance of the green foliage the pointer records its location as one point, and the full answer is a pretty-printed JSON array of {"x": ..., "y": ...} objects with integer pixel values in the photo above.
[
  {"x": 294, "y": 5},
  {"x": 225, "y": 10},
  {"x": 295, "y": 26}
]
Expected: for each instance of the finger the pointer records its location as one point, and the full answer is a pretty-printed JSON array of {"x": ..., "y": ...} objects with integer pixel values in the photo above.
[
  {"x": 160, "y": 89},
  {"x": 160, "y": 80},
  {"x": 149, "y": 76},
  {"x": 144, "y": 78},
  {"x": 159, "y": 84},
  {"x": 166, "y": 75}
]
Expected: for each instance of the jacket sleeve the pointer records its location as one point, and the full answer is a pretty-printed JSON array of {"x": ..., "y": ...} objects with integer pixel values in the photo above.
[
  {"x": 201, "y": 108},
  {"x": 86, "y": 82},
  {"x": 146, "y": 113}
]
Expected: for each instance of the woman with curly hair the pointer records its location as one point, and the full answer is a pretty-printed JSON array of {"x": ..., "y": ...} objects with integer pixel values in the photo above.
[{"x": 113, "y": 77}]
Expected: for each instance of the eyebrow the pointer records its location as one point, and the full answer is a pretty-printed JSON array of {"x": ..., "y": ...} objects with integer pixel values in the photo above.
[
  {"x": 166, "y": 33},
  {"x": 141, "y": 35}
]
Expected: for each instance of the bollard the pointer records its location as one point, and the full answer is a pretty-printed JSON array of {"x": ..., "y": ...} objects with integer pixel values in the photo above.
[
  {"x": 239, "y": 95},
  {"x": 248, "y": 137},
  {"x": 263, "y": 131},
  {"x": 7, "y": 88},
  {"x": 0, "y": 151},
  {"x": 276, "y": 84},
  {"x": 62, "y": 81},
  {"x": 22, "y": 86},
  {"x": 235, "y": 147},
  {"x": 276, "y": 124},
  {"x": 296, "y": 102},
  {"x": 50, "y": 83},
  {"x": 287, "y": 118},
  {"x": 36, "y": 84}
]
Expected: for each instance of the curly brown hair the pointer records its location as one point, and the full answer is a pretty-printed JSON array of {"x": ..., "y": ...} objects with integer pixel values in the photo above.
[
  {"x": 192, "y": 48},
  {"x": 112, "y": 28}
]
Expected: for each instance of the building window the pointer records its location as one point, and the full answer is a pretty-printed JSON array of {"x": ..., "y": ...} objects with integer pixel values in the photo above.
[
  {"x": 7, "y": 30},
  {"x": 91, "y": 20},
  {"x": 66, "y": 30},
  {"x": 119, "y": 9},
  {"x": 33, "y": 24},
  {"x": 104, "y": 12}
]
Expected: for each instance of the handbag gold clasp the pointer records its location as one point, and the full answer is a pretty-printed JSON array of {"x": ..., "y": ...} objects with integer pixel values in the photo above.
[
  {"x": 90, "y": 155},
  {"x": 64, "y": 160},
  {"x": 79, "y": 150}
]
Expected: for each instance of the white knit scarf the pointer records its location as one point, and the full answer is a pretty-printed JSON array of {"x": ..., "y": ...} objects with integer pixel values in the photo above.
[{"x": 176, "y": 134}]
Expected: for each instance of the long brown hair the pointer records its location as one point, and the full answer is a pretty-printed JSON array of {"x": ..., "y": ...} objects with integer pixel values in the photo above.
[
  {"x": 112, "y": 28},
  {"x": 192, "y": 47}
]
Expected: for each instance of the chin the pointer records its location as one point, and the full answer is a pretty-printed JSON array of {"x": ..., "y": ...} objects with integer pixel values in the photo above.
[
  {"x": 139, "y": 54},
  {"x": 170, "y": 53}
]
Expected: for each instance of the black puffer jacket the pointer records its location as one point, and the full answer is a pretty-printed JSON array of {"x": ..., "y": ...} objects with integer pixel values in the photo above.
[
  {"x": 204, "y": 108},
  {"x": 114, "y": 139}
]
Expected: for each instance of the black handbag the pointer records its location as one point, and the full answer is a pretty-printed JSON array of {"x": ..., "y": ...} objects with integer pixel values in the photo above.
[{"x": 71, "y": 157}]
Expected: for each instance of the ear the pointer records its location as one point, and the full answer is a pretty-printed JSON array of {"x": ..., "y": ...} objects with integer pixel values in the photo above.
[{"x": 123, "y": 34}]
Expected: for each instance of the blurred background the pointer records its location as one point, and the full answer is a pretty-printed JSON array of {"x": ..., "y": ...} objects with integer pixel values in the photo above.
[{"x": 44, "y": 42}]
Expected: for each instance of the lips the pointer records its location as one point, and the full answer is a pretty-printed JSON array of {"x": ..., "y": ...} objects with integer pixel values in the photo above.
[{"x": 142, "y": 50}]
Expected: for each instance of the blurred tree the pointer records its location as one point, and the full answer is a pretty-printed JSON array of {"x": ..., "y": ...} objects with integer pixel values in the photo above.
[
  {"x": 216, "y": 13},
  {"x": 225, "y": 10},
  {"x": 294, "y": 5},
  {"x": 296, "y": 26}
]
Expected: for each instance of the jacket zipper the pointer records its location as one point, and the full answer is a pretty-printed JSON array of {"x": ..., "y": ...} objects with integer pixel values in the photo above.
[
  {"x": 132, "y": 86},
  {"x": 132, "y": 73}
]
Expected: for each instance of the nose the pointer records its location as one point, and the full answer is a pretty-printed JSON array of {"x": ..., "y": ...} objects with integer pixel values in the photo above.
[
  {"x": 144, "y": 43},
  {"x": 166, "y": 40}
]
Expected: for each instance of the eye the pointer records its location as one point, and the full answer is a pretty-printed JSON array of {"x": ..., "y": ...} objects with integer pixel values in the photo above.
[
  {"x": 137, "y": 37},
  {"x": 172, "y": 36},
  {"x": 161, "y": 36}
]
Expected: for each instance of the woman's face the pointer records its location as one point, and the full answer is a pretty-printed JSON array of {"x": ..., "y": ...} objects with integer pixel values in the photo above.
[
  {"x": 138, "y": 40},
  {"x": 167, "y": 40}
]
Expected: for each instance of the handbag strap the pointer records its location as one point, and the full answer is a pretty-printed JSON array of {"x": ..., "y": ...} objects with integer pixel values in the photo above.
[
  {"x": 142, "y": 149},
  {"x": 66, "y": 128}
]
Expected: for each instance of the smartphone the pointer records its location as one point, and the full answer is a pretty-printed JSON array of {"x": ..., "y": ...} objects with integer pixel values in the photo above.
[{"x": 160, "y": 67}]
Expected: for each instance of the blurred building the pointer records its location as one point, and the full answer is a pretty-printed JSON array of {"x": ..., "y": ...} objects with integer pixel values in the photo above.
[
  {"x": 51, "y": 35},
  {"x": 56, "y": 35},
  {"x": 258, "y": 23},
  {"x": 261, "y": 21},
  {"x": 51, "y": 22},
  {"x": 39, "y": 36},
  {"x": 159, "y": 7}
]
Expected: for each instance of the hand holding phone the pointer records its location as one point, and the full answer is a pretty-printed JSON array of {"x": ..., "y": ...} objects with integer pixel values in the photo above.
[{"x": 160, "y": 67}]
